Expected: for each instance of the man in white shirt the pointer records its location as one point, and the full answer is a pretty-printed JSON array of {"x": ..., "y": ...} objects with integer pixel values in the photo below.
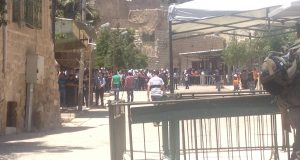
[{"x": 156, "y": 87}]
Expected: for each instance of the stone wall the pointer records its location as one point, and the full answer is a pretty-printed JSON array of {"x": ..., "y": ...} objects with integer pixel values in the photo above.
[
  {"x": 21, "y": 41},
  {"x": 150, "y": 16},
  {"x": 143, "y": 4},
  {"x": 2, "y": 96}
]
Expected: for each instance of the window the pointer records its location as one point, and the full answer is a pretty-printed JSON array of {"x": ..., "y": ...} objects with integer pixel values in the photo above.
[
  {"x": 33, "y": 13},
  {"x": 2, "y": 12},
  {"x": 148, "y": 37},
  {"x": 16, "y": 11}
]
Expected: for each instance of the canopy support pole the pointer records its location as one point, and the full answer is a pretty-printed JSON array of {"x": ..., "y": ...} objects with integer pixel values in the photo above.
[{"x": 171, "y": 58}]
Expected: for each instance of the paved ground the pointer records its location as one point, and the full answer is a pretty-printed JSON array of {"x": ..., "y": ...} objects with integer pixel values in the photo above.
[{"x": 85, "y": 136}]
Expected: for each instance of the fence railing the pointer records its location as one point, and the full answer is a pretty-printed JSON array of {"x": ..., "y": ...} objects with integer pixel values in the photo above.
[
  {"x": 244, "y": 127},
  {"x": 201, "y": 80}
]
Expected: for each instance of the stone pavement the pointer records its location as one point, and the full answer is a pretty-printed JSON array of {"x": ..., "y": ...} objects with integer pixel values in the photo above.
[{"x": 83, "y": 135}]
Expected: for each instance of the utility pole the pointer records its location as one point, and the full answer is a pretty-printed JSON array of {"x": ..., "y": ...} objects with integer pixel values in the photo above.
[{"x": 81, "y": 61}]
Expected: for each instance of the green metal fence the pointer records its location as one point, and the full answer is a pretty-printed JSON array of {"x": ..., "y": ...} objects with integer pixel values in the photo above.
[{"x": 237, "y": 127}]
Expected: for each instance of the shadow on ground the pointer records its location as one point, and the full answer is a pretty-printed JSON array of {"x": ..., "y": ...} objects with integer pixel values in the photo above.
[
  {"x": 63, "y": 129},
  {"x": 10, "y": 148},
  {"x": 93, "y": 113},
  {"x": 31, "y": 135}
]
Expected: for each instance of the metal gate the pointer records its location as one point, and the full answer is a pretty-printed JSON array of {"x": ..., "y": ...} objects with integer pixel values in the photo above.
[
  {"x": 117, "y": 130},
  {"x": 227, "y": 128}
]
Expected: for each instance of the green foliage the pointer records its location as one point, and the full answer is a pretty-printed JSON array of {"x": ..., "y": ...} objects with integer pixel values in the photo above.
[
  {"x": 116, "y": 49},
  {"x": 3, "y": 11},
  {"x": 235, "y": 53},
  {"x": 240, "y": 53}
]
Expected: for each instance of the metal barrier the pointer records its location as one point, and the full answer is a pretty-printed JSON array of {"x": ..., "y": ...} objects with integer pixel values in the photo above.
[
  {"x": 117, "y": 129},
  {"x": 201, "y": 80},
  {"x": 243, "y": 127}
]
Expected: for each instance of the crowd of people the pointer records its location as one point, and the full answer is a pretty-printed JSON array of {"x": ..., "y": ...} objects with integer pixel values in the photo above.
[
  {"x": 247, "y": 79},
  {"x": 105, "y": 81},
  {"x": 108, "y": 81}
]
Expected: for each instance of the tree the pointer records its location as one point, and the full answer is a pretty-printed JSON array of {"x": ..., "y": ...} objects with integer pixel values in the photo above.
[
  {"x": 249, "y": 52},
  {"x": 235, "y": 53},
  {"x": 115, "y": 48}
]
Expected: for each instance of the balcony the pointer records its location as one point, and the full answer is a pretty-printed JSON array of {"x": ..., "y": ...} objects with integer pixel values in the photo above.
[{"x": 70, "y": 37}]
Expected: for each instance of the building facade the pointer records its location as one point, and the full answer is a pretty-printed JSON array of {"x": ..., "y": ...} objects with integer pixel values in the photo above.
[
  {"x": 149, "y": 19},
  {"x": 27, "y": 59}
]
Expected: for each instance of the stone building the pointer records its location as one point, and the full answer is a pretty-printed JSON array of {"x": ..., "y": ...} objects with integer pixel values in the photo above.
[
  {"x": 149, "y": 19},
  {"x": 27, "y": 57},
  {"x": 202, "y": 52}
]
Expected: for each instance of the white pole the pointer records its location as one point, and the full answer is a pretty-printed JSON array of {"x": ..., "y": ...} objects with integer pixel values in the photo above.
[{"x": 28, "y": 111}]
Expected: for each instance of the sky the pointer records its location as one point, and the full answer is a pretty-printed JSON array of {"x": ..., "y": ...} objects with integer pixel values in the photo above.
[{"x": 234, "y": 4}]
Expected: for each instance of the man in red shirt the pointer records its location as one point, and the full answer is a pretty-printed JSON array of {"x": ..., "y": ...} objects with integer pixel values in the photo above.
[{"x": 129, "y": 86}]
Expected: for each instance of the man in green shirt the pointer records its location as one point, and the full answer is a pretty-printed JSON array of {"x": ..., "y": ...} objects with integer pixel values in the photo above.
[{"x": 116, "y": 84}]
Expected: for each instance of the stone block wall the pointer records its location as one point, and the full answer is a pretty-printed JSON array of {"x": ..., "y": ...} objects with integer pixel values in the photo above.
[
  {"x": 151, "y": 16},
  {"x": 21, "y": 41},
  {"x": 143, "y": 4},
  {"x": 2, "y": 102}
]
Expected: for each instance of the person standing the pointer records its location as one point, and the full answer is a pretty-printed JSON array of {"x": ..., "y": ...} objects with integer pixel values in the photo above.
[
  {"x": 175, "y": 76},
  {"x": 255, "y": 75},
  {"x": 156, "y": 87},
  {"x": 236, "y": 83},
  {"x": 86, "y": 88},
  {"x": 99, "y": 88},
  {"x": 115, "y": 84},
  {"x": 202, "y": 77},
  {"x": 155, "y": 91},
  {"x": 186, "y": 80},
  {"x": 244, "y": 79},
  {"x": 218, "y": 80},
  {"x": 62, "y": 88},
  {"x": 129, "y": 86}
]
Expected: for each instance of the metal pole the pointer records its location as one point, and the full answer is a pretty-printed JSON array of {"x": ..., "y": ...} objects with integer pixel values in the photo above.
[
  {"x": 171, "y": 58},
  {"x": 174, "y": 140},
  {"x": 80, "y": 86},
  {"x": 111, "y": 131},
  {"x": 90, "y": 76},
  {"x": 130, "y": 131},
  {"x": 28, "y": 110},
  {"x": 165, "y": 137}
]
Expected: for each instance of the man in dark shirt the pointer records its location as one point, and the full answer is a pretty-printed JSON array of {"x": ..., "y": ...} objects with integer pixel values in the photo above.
[
  {"x": 62, "y": 88},
  {"x": 218, "y": 80},
  {"x": 99, "y": 88}
]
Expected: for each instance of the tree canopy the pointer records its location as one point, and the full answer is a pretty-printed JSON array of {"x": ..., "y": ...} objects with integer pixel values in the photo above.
[
  {"x": 115, "y": 48},
  {"x": 249, "y": 51}
]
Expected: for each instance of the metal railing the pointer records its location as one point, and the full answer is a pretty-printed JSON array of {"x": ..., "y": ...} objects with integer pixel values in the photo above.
[{"x": 244, "y": 127}]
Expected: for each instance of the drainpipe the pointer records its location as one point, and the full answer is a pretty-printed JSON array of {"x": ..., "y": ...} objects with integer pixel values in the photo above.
[{"x": 4, "y": 29}]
